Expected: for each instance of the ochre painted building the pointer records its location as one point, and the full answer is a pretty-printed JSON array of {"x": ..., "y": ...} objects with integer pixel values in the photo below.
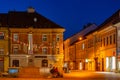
[
  {"x": 98, "y": 50},
  {"x": 4, "y": 49},
  {"x": 30, "y": 40}
]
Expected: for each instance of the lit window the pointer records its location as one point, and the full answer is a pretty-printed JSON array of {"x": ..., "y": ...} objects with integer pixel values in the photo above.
[
  {"x": 107, "y": 62},
  {"x": 30, "y": 44},
  {"x": 113, "y": 63},
  {"x": 15, "y": 37},
  {"x": 1, "y": 35},
  {"x": 44, "y": 37},
  {"x": 44, "y": 50},
  {"x": 1, "y": 51},
  {"x": 83, "y": 46}
]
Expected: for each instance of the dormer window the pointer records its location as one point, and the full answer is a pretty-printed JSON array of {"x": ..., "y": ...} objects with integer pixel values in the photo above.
[{"x": 35, "y": 19}]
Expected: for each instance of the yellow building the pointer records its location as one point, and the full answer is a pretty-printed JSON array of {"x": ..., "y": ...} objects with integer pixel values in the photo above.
[
  {"x": 33, "y": 40},
  {"x": 73, "y": 52},
  {"x": 99, "y": 49},
  {"x": 4, "y": 49}
]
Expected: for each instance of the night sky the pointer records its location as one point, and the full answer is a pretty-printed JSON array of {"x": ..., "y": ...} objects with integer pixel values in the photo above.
[{"x": 70, "y": 14}]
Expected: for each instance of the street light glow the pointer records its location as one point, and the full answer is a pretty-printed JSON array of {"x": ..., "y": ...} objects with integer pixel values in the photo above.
[{"x": 80, "y": 38}]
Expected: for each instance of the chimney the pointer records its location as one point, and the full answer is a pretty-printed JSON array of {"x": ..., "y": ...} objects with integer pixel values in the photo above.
[{"x": 30, "y": 10}]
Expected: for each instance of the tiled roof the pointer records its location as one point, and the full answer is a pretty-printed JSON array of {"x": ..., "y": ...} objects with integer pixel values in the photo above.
[{"x": 15, "y": 19}]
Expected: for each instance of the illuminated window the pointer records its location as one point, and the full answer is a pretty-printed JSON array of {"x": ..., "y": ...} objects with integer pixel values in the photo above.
[
  {"x": 107, "y": 62},
  {"x": 15, "y": 37},
  {"x": 30, "y": 44},
  {"x": 80, "y": 66},
  {"x": 83, "y": 46},
  {"x": 1, "y": 35},
  {"x": 44, "y": 37},
  {"x": 113, "y": 63}
]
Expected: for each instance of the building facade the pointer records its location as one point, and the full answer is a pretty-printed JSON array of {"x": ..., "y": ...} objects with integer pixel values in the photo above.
[
  {"x": 4, "y": 49},
  {"x": 70, "y": 52},
  {"x": 99, "y": 49},
  {"x": 33, "y": 40}
]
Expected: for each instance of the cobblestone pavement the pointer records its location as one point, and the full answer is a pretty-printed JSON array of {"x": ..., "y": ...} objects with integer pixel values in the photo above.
[{"x": 78, "y": 75}]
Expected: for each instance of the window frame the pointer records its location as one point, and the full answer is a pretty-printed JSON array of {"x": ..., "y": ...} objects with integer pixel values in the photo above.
[{"x": 44, "y": 37}]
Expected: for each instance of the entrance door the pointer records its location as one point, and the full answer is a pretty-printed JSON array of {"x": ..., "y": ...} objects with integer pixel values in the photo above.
[
  {"x": 15, "y": 63},
  {"x": 96, "y": 64},
  {"x": 44, "y": 63}
]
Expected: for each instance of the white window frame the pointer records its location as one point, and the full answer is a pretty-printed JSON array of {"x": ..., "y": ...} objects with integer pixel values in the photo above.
[
  {"x": 44, "y": 37},
  {"x": 44, "y": 50},
  {"x": 15, "y": 37}
]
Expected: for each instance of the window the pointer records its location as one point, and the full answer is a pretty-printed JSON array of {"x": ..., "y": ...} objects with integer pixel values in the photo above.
[
  {"x": 114, "y": 38},
  {"x": 44, "y": 63},
  {"x": 44, "y": 50},
  {"x": 30, "y": 44},
  {"x": 83, "y": 46},
  {"x": 110, "y": 39},
  {"x": 15, "y": 37},
  {"x": 1, "y": 35},
  {"x": 15, "y": 50},
  {"x": 1, "y": 51},
  {"x": 15, "y": 63},
  {"x": 57, "y": 37},
  {"x": 101, "y": 42},
  {"x": 107, "y": 41},
  {"x": 104, "y": 41},
  {"x": 44, "y": 37}
]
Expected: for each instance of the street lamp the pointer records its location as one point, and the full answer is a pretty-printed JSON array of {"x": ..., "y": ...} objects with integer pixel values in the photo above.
[{"x": 80, "y": 38}]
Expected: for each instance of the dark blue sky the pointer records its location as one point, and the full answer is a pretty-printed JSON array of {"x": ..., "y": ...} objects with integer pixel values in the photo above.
[{"x": 70, "y": 14}]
